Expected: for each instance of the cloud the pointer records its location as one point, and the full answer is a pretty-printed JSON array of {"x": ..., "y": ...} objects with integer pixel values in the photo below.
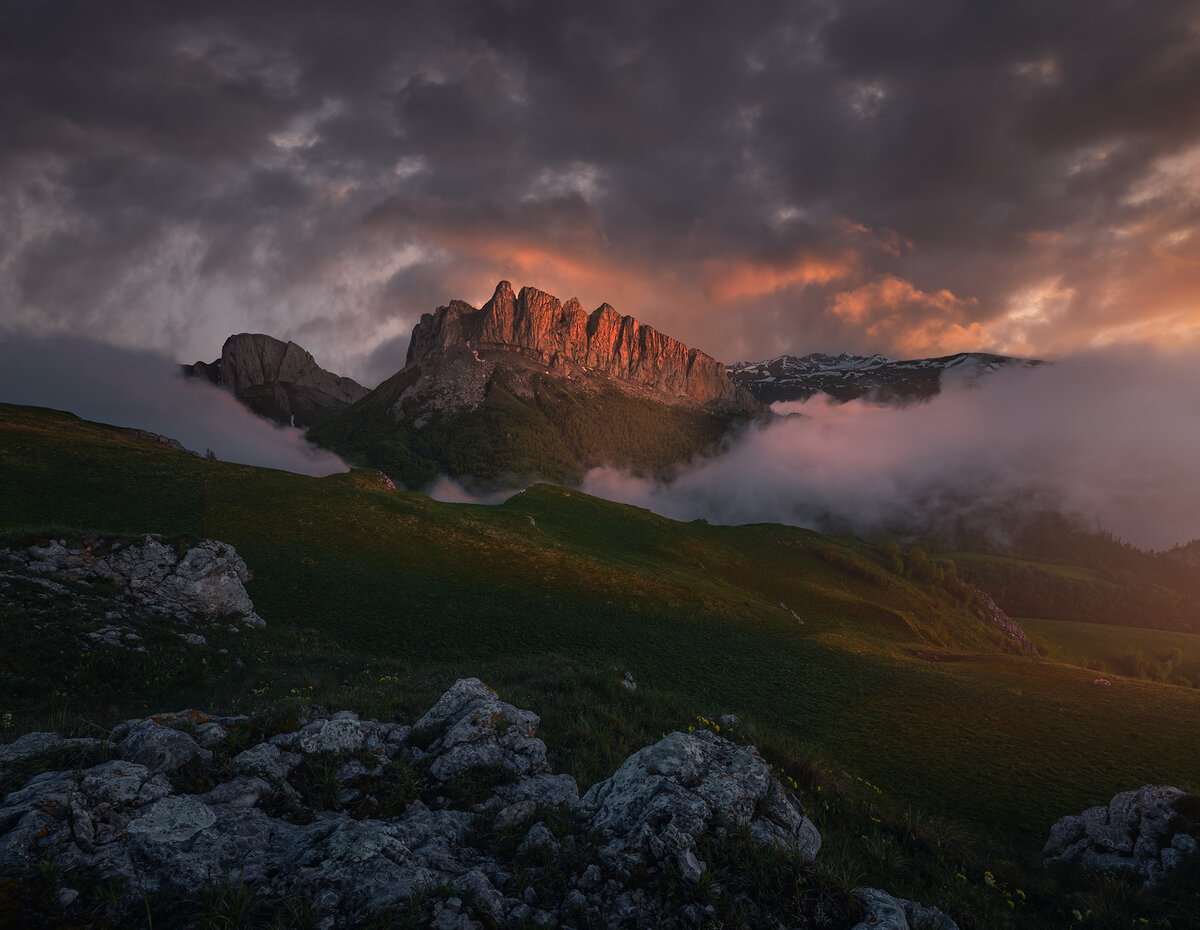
[
  {"x": 1112, "y": 436},
  {"x": 890, "y": 311},
  {"x": 173, "y": 173},
  {"x": 147, "y": 391}
]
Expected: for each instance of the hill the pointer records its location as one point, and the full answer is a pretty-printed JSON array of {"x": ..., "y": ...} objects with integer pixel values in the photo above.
[
  {"x": 837, "y": 656},
  {"x": 816, "y": 636}
]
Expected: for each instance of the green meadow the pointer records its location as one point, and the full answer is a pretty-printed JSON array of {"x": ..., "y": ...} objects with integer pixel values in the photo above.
[
  {"x": 1153, "y": 655},
  {"x": 844, "y": 671}
]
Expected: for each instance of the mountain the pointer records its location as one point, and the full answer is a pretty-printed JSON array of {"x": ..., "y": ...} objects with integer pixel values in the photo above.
[
  {"x": 529, "y": 387},
  {"x": 278, "y": 380},
  {"x": 848, "y": 377},
  {"x": 574, "y": 344}
]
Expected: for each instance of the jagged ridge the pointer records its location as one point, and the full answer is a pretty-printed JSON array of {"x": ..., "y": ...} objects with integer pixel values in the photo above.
[{"x": 563, "y": 335}]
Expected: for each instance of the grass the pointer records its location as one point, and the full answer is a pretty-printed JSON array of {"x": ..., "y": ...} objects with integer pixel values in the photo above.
[
  {"x": 376, "y": 600},
  {"x": 1153, "y": 655}
]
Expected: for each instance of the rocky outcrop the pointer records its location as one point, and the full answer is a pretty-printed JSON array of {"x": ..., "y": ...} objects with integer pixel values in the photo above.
[
  {"x": 563, "y": 337},
  {"x": 665, "y": 796},
  {"x": 992, "y": 612},
  {"x": 277, "y": 379},
  {"x": 207, "y": 581},
  {"x": 356, "y": 815},
  {"x": 1140, "y": 831},
  {"x": 477, "y": 729},
  {"x": 882, "y": 911}
]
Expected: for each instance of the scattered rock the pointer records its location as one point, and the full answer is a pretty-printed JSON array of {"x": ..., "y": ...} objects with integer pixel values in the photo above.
[
  {"x": 991, "y": 612},
  {"x": 286, "y": 836},
  {"x": 205, "y": 583},
  {"x": 1140, "y": 831},
  {"x": 266, "y": 760},
  {"x": 514, "y": 815}
]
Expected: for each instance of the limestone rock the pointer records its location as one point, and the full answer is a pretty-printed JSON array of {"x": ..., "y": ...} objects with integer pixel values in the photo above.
[
  {"x": 272, "y": 829},
  {"x": 159, "y": 748},
  {"x": 478, "y": 729},
  {"x": 991, "y": 612},
  {"x": 279, "y": 380},
  {"x": 882, "y": 911},
  {"x": 207, "y": 581},
  {"x": 539, "y": 327},
  {"x": 31, "y": 744},
  {"x": 666, "y": 795},
  {"x": 267, "y": 760},
  {"x": 545, "y": 789},
  {"x": 1139, "y": 831}
]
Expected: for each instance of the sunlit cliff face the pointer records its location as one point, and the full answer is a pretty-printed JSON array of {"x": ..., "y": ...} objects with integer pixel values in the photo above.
[{"x": 817, "y": 177}]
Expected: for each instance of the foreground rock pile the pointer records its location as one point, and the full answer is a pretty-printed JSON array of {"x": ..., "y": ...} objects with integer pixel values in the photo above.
[
  {"x": 457, "y": 820},
  {"x": 1141, "y": 831},
  {"x": 111, "y": 590}
]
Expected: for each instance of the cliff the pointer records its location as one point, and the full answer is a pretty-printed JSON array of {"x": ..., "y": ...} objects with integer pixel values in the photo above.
[
  {"x": 565, "y": 337},
  {"x": 279, "y": 380}
]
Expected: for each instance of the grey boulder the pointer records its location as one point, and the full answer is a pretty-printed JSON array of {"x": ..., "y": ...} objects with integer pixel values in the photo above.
[
  {"x": 666, "y": 795},
  {"x": 1140, "y": 831}
]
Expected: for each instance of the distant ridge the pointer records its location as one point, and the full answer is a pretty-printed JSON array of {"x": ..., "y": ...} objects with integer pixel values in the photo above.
[{"x": 875, "y": 377}]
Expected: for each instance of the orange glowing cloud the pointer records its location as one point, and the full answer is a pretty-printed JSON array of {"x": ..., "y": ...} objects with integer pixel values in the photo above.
[
  {"x": 908, "y": 321},
  {"x": 739, "y": 279}
]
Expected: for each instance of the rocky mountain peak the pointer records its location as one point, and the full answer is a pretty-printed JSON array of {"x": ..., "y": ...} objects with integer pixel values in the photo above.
[
  {"x": 276, "y": 379},
  {"x": 539, "y": 327}
]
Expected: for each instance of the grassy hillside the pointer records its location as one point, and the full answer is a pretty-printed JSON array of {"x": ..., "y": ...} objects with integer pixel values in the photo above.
[
  {"x": 1154, "y": 655},
  {"x": 556, "y": 434},
  {"x": 1097, "y": 581},
  {"x": 375, "y": 599}
]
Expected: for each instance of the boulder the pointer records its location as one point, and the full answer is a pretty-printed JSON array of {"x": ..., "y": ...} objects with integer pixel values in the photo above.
[
  {"x": 882, "y": 911},
  {"x": 479, "y": 730},
  {"x": 665, "y": 796},
  {"x": 1139, "y": 831},
  {"x": 159, "y": 748}
]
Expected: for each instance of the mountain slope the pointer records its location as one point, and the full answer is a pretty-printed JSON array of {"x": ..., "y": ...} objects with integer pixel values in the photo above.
[
  {"x": 367, "y": 591},
  {"x": 527, "y": 387},
  {"x": 278, "y": 380},
  {"x": 877, "y": 378}
]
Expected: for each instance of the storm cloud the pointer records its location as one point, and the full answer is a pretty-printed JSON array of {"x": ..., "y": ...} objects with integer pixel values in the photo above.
[
  {"x": 812, "y": 176},
  {"x": 1110, "y": 437}
]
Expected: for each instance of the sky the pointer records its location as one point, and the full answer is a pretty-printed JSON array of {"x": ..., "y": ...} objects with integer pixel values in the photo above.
[{"x": 753, "y": 179}]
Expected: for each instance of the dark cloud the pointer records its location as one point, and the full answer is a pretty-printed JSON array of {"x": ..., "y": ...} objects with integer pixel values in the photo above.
[{"x": 171, "y": 173}]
